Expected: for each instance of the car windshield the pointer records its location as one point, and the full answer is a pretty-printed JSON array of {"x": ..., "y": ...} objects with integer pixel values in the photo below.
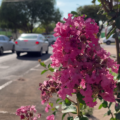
[{"x": 28, "y": 37}]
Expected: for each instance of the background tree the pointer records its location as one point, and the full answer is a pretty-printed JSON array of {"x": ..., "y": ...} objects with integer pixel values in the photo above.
[
  {"x": 26, "y": 14},
  {"x": 91, "y": 12},
  {"x": 49, "y": 21}
]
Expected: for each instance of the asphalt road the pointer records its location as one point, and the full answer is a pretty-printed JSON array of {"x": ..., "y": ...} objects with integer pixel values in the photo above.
[{"x": 12, "y": 67}]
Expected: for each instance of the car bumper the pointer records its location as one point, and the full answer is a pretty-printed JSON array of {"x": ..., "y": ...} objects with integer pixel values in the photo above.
[{"x": 27, "y": 49}]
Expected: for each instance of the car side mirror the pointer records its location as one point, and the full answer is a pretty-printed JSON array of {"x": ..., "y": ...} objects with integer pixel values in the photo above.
[{"x": 46, "y": 39}]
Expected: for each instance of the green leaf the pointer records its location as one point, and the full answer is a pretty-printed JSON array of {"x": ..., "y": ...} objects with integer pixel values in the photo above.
[
  {"x": 54, "y": 113},
  {"x": 64, "y": 115},
  {"x": 117, "y": 108},
  {"x": 70, "y": 118},
  {"x": 117, "y": 116},
  {"x": 113, "y": 119},
  {"x": 68, "y": 109},
  {"x": 43, "y": 71},
  {"x": 74, "y": 13},
  {"x": 53, "y": 109},
  {"x": 93, "y": 1},
  {"x": 80, "y": 98},
  {"x": 60, "y": 103},
  {"x": 51, "y": 69},
  {"x": 118, "y": 96},
  {"x": 58, "y": 100},
  {"x": 112, "y": 30},
  {"x": 105, "y": 104},
  {"x": 49, "y": 65},
  {"x": 108, "y": 112},
  {"x": 67, "y": 102},
  {"x": 51, "y": 104},
  {"x": 60, "y": 68},
  {"x": 117, "y": 23},
  {"x": 100, "y": 106},
  {"x": 83, "y": 118},
  {"x": 109, "y": 105},
  {"x": 43, "y": 64},
  {"x": 118, "y": 77}
]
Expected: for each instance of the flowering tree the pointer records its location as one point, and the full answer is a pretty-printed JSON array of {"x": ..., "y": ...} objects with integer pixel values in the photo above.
[{"x": 83, "y": 69}]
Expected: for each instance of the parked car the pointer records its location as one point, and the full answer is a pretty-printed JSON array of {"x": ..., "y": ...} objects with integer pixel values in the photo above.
[
  {"x": 51, "y": 38},
  {"x": 109, "y": 40},
  {"x": 31, "y": 43},
  {"x": 6, "y": 44}
]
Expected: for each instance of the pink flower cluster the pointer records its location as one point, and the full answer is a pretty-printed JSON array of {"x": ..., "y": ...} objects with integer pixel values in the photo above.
[
  {"x": 28, "y": 113},
  {"x": 48, "y": 88},
  {"x": 84, "y": 64},
  {"x": 51, "y": 117}
]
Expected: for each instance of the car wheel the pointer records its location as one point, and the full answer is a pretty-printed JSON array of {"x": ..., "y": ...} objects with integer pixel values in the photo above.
[
  {"x": 13, "y": 49},
  {"x": 1, "y": 51},
  {"x": 47, "y": 50},
  {"x": 18, "y": 54},
  {"x": 40, "y": 53},
  {"x": 108, "y": 42}
]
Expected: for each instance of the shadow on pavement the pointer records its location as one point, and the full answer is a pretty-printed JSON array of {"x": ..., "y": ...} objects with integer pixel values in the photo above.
[
  {"x": 92, "y": 117},
  {"x": 4, "y": 54},
  {"x": 34, "y": 57}
]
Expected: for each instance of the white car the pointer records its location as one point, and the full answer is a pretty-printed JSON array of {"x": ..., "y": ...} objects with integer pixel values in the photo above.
[
  {"x": 109, "y": 40},
  {"x": 6, "y": 44},
  {"x": 51, "y": 38},
  {"x": 31, "y": 43}
]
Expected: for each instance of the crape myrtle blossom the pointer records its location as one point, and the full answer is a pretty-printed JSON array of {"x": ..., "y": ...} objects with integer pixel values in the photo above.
[
  {"x": 28, "y": 113},
  {"x": 84, "y": 64}
]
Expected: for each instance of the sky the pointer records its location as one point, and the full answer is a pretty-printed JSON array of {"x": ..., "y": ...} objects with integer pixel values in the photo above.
[{"x": 66, "y": 6}]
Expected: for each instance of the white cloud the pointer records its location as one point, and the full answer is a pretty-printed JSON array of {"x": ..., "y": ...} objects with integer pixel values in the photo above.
[{"x": 60, "y": 3}]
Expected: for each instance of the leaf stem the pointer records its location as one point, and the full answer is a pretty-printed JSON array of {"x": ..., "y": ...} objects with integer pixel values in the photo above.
[
  {"x": 71, "y": 100},
  {"x": 78, "y": 108}
]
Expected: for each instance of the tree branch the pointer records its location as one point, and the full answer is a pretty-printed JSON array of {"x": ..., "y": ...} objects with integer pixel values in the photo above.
[{"x": 104, "y": 6}]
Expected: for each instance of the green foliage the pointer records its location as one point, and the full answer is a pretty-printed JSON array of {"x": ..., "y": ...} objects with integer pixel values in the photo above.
[
  {"x": 80, "y": 98},
  {"x": 117, "y": 116},
  {"x": 82, "y": 118},
  {"x": 70, "y": 118},
  {"x": 43, "y": 71},
  {"x": 24, "y": 15},
  {"x": 117, "y": 107},
  {"x": 111, "y": 32},
  {"x": 105, "y": 104},
  {"x": 117, "y": 22},
  {"x": 64, "y": 116},
  {"x": 91, "y": 12},
  {"x": 67, "y": 102},
  {"x": 51, "y": 69},
  {"x": 43, "y": 64},
  {"x": 68, "y": 109}
]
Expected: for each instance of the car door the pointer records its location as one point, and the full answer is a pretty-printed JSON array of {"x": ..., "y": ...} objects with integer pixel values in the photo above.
[
  {"x": 3, "y": 43},
  {"x": 112, "y": 39},
  {"x": 45, "y": 43},
  {"x": 8, "y": 43}
]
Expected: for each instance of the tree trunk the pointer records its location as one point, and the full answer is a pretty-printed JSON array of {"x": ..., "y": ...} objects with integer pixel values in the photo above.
[{"x": 118, "y": 51}]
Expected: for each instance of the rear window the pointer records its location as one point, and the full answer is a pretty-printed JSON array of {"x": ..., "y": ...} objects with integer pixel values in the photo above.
[{"x": 28, "y": 37}]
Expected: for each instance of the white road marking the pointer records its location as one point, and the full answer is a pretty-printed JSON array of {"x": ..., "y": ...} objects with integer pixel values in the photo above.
[
  {"x": 6, "y": 112},
  {"x": 5, "y": 85},
  {"x": 8, "y": 83}
]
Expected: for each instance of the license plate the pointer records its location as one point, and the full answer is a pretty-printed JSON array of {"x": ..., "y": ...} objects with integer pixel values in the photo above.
[{"x": 25, "y": 49}]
